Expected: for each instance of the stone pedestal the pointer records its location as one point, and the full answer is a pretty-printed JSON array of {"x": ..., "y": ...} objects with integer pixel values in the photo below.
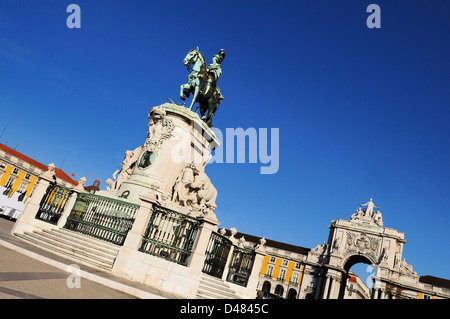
[
  {"x": 167, "y": 276},
  {"x": 176, "y": 137}
]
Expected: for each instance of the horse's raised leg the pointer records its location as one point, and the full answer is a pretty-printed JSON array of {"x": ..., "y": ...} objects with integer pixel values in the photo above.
[{"x": 182, "y": 87}]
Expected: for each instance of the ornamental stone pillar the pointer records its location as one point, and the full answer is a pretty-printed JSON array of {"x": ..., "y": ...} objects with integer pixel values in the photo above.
[
  {"x": 209, "y": 225},
  {"x": 133, "y": 241},
  {"x": 27, "y": 221},
  {"x": 71, "y": 202},
  {"x": 260, "y": 253}
]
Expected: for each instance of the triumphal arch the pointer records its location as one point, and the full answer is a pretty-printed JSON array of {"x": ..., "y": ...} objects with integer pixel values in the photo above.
[{"x": 362, "y": 239}]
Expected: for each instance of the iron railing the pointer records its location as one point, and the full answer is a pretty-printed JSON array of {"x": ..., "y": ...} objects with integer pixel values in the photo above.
[
  {"x": 241, "y": 265},
  {"x": 216, "y": 255},
  {"x": 170, "y": 235},
  {"x": 102, "y": 217},
  {"x": 52, "y": 204}
]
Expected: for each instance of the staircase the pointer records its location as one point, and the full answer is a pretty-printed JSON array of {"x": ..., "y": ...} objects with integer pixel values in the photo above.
[
  {"x": 82, "y": 249},
  {"x": 214, "y": 288}
]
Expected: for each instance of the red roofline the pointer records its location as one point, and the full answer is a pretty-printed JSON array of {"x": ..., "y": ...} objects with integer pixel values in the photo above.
[
  {"x": 59, "y": 173},
  {"x": 352, "y": 279}
]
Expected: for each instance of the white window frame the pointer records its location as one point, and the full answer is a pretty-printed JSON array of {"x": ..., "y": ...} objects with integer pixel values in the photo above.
[
  {"x": 282, "y": 275},
  {"x": 10, "y": 182},
  {"x": 269, "y": 271},
  {"x": 295, "y": 276}
]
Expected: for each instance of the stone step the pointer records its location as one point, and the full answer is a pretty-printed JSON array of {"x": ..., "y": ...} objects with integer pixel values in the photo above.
[
  {"x": 68, "y": 245},
  {"x": 214, "y": 288},
  {"x": 217, "y": 286},
  {"x": 87, "y": 242},
  {"x": 76, "y": 254},
  {"x": 220, "y": 293},
  {"x": 85, "y": 238},
  {"x": 215, "y": 281}
]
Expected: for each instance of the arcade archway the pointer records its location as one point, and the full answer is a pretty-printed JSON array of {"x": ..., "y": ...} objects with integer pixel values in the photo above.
[
  {"x": 279, "y": 290},
  {"x": 361, "y": 240},
  {"x": 346, "y": 276},
  {"x": 292, "y": 294},
  {"x": 266, "y": 287}
]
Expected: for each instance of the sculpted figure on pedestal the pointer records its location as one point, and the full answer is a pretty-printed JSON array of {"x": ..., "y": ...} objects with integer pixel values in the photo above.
[
  {"x": 194, "y": 189},
  {"x": 127, "y": 167},
  {"x": 378, "y": 219},
  {"x": 369, "y": 208},
  {"x": 368, "y": 216},
  {"x": 320, "y": 249},
  {"x": 181, "y": 190},
  {"x": 405, "y": 268},
  {"x": 357, "y": 215},
  {"x": 159, "y": 129}
]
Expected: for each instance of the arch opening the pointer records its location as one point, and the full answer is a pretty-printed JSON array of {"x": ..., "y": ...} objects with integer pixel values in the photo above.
[
  {"x": 358, "y": 279},
  {"x": 279, "y": 290},
  {"x": 266, "y": 287},
  {"x": 292, "y": 294}
]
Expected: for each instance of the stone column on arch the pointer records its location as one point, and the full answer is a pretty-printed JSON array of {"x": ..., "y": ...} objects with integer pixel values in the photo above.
[
  {"x": 319, "y": 287},
  {"x": 326, "y": 286},
  {"x": 306, "y": 281},
  {"x": 333, "y": 286}
]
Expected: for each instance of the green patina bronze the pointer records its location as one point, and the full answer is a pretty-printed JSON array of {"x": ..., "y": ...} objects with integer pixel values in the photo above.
[
  {"x": 202, "y": 83},
  {"x": 147, "y": 159}
]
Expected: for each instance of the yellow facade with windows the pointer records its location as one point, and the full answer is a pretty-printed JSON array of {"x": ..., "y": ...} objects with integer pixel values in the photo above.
[
  {"x": 283, "y": 270},
  {"x": 17, "y": 179},
  {"x": 6, "y": 174}
]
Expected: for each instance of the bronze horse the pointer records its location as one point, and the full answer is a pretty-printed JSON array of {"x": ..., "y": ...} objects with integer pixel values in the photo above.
[{"x": 202, "y": 83}]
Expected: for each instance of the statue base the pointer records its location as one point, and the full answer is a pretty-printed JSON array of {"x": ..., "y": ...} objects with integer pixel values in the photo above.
[{"x": 177, "y": 138}]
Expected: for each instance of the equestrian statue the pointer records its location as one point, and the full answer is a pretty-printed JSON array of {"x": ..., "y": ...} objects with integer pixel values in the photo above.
[{"x": 202, "y": 83}]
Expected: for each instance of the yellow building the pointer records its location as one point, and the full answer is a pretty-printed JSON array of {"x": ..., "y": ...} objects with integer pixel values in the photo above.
[
  {"x": 282, "y": 276},
  {"x": 432, "y": 287},
  {"x": 15, "y": 180},
  {"x": 19, "y": 175},
  {"x": 287, "y": 273},
  {"x": 282, "y": 269}
]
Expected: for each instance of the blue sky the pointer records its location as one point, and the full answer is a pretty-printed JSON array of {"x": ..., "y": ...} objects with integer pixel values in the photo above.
[{"x": 361, "y": 112}]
